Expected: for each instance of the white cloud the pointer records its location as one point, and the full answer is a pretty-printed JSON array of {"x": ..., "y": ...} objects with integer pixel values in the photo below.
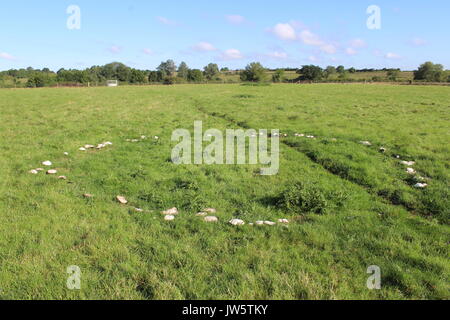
[
  {"x": 297, "y": 31},
  {"x": 284, "y": 31},
  {"x": 231, "y": 54},
  {"x": 204, "y": 47},
  {"x": 313, "y": 59},
  {"x": 357, "y": 43},
  {"x": 278, "y": 55},
  {"x": 312, "y": 39},
  {"x": 309, "y": 38},
  {"x": 418, "y": 42},
  {"x": 351, "y": 51},
  {"x": 328, "y": 48},
  {"x": 166, "y": 21},
  {"x": 7, "y": 56},
  {"x": 148, "y": 51},
  {"x": 235, "y": 19},
  {"x": 115, "y": 49},
  {"x": 391, "y": 55}
]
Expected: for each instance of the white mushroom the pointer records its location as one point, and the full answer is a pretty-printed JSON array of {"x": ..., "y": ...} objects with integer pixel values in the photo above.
[
  {"x": 411, "y": 171},
  {"x": 47, "y": 163},
  {"x": 172, "y": 211},
  {"x": 211, "y": 219},
  {"x": 201, "y": 214},
  {"x": 33, "y": 171},
  {"x": 169, "y": 217},
  {"x": 62, "y": 177},
  {"x": 408, "y": 163},
  {"x": 366, "y": 143},
  {"x": 210, "y": 210},
  {"x": 66, "y": 153},
  {"x": 237, "y": 222},
  {"x": 82, "y": 149},
  {"x": 283, "y": 221},
  {"x": 138, "y": 210},
  {"x": 420, "y": 185},
  {"x": 269, "y": 223},
  {"x": 122, "y": 199},
  {"x": 52, "y": 171}
]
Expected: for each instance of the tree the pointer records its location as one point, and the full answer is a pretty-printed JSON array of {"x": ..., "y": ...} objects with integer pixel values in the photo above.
[
  {"x": 224, "y": 69},
  {"x": 123, "y": 73},
  {"x": 393, "y": 74},
  {"x": 343, "y": 76},
  {"x": 330, "y": 70},
  {"x": 195, "y": 75},
  {"x": 429, "y": 72},
  {"x": 310, "y": 72},
  {"x": 211, "y": 70},
  {"x": 155, "y": 76},
  {"x": 340, "y": 69},
  {"x": 183, "y": 70},
  {"x": 278, "y": 76},
  {"x": 36, "y": 81},
  {"x": 168, "y": 68},
  {"x": 352, "y": 70},
  {"x": 137, "y": 76},
  {"x": 253, "y": 72}
]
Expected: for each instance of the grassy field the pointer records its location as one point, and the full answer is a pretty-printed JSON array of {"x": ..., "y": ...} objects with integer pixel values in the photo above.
[{"x": 359, "y": 205}]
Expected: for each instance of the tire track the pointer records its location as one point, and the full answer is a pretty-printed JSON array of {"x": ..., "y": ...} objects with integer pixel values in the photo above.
[{"x": 392, "y": 200}]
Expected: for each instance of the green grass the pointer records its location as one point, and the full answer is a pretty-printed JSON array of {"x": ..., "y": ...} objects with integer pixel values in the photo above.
[{"x": 373, "y": 216}]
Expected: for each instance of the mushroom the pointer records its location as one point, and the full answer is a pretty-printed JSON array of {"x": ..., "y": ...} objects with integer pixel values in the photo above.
[
  {"x": 211, "y": 219},
  {"x": 122, "y": 199},
  {"x": 237, "y": 222},
  {"x": 172, "y": 211}
]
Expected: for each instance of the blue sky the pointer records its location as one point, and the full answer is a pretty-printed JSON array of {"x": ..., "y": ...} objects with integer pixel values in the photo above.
[{"x": 231, "y": 33}]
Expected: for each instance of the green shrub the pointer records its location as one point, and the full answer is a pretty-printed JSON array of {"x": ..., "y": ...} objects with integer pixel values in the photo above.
[
  {"x": 169, "y": 80},
  {"x": 304, "y": 197}
]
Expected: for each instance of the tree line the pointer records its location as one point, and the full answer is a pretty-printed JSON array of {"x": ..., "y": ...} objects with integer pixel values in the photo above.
[{"x": 169, "y": 73}]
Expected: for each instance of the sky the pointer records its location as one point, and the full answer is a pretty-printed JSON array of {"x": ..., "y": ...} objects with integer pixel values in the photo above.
[{"x": 283, "y": 33}]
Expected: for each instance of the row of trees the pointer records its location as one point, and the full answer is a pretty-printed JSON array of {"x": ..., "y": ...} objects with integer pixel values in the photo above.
[
  {"x": 168, "y": 73},
  {"x": 428, "y": 71}
]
